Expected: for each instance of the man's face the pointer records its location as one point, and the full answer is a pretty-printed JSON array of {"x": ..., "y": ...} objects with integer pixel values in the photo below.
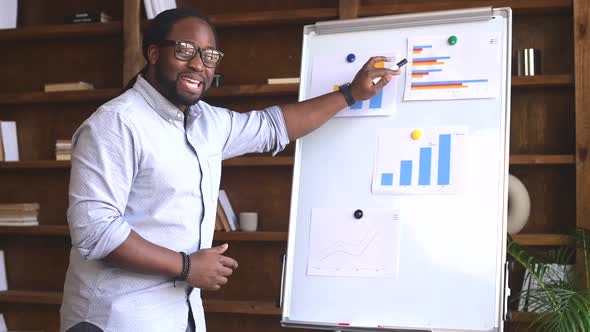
[{"x": 185, "y": 82}]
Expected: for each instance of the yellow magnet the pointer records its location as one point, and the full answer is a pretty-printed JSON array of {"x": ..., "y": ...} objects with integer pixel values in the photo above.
[{"x": 416, "y": 134}]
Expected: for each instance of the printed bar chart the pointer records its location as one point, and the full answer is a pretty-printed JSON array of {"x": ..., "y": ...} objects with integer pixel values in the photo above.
[
  {"x": 427, "y": 165},
  {"x": 439, "y": 70}
]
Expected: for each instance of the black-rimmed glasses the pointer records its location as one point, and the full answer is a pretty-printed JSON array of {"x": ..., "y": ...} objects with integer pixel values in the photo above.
[{"x": 186, "y": 51}]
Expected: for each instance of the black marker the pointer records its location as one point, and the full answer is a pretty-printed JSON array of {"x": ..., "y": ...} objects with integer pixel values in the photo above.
[{"x": 397, "y": 66}]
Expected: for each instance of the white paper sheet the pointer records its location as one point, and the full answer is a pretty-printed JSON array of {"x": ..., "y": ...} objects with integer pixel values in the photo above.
[
  {"x": 342, "y": 245},
  {"x": 432, "y": 164},
  {"x": 438, "y": 70}
]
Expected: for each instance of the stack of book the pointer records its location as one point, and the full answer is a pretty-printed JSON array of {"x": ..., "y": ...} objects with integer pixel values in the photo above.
[
  {"x": 226, "y": 219},
  {"x": 63, "y": 149},
  {"x": 86, "y": 17},
  {"x": 19, "y": 214}
]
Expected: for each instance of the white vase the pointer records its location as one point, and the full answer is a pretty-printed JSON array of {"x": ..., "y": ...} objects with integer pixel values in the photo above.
[{"x": 519, "y": 205}]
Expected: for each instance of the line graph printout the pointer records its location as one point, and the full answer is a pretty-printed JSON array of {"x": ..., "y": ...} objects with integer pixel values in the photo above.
[
  {"x": 342, "y": 245},
  {"x": 439, "y": 70},
  {"x": 329, "y": 72},
  {"x": 431, "y": 164}
]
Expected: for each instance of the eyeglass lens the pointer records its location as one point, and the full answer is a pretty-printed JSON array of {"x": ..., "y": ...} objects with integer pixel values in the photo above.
[{"x": 186, "y": 51}]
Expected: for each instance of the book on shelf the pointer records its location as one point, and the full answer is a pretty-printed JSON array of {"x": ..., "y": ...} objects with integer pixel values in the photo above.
[
  {"x": 228, "y": 210},
  {"x": 9, "y": 138},
  {"x": 3, "y": 327},
  {"x": 88, "y": 17},
  {"x": 68, "y": 86},
  {"x": 223, "y": 218},
  {"x": 8, "y": 14},
  {"x": 154, "y": 7},
  {"x": 218, "y": 226},
  {"x": 3, "y": 283},
  {"x": 283, "y": 80}
]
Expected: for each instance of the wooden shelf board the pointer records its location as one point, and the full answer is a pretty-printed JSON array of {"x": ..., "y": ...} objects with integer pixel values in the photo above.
[
  {"x": 219, "y": 306},
  {"x": 234, "y": 162},
  {"x": 62, "y": 230},
  {"x": 540, "y": 81},
  {"x": 53, "y": 230},
  {"x": 61, "y": 31},
  {"x": 292, "y": 16},
  {"x": 522, "y": 7},
  {"x": 253, "y": 90},
  {"x": 543, "y": 239},
  {"x": 540, "y": 159},
  {"x": 30, "y": 297},
  {"x": 251, "y": 236},
  {"x": 242, "y": 307},
  {"x": 522, "y": 317},
  {"x": 59, "y": 97},
  {"x": 259, "y": 161}
]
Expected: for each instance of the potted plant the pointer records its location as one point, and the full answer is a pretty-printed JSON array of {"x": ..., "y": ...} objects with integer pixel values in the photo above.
[{"x": 561, "y": 299}]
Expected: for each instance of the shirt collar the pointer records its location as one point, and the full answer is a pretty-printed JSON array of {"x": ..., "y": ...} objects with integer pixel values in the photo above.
[{"x": 161, "y": 104}]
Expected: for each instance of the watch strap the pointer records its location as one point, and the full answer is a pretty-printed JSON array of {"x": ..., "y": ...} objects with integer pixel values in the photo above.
[{"x": 345, "y": 89}]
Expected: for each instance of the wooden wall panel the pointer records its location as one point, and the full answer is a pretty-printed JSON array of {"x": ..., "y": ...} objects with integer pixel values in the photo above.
[
  {"x": 553, "y": 202},
  {"x": 243, "y": 6},
  {"x": 553, "y": 37},
  {"x": 48, "y": 187},
  {"x": 252, "y": 54},
  {"x": 542, "y": 121},
  {"x": 31, "y": 317},
  {"x": 34, "y": 63},
  {"x": 35, "y": 263},
  {"x": 39, "y": 126},
  {"x": 43, "y": 12},
  {"x": 266, "y": 190},
  {"x": 249, "y": 281}
]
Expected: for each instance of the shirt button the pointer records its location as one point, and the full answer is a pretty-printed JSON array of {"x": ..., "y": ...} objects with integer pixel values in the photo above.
[
  {"x": 179, "y": 115},
  {"x": 171, "y": 121}
]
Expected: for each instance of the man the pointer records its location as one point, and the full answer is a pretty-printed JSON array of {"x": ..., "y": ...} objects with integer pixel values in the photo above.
[{"x": 145, "y": 177}]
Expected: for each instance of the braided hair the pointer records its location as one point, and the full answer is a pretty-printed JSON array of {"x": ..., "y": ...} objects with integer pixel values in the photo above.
[{"x": 160, "y": 27}]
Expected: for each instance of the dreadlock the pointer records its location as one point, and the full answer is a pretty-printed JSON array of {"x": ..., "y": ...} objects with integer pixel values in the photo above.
[{"x": 160, "y": 27}]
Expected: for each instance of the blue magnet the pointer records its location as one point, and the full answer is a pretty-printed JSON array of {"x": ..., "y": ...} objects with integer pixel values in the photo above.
[{"x": 351, "y": 57}]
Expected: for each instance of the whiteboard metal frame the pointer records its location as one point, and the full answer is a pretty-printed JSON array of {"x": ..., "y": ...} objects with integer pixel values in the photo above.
[{"x": 388, "y": 22}]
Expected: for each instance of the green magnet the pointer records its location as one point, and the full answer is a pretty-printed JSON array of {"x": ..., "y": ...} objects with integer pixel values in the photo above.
[{"x": 453, "y": 40}]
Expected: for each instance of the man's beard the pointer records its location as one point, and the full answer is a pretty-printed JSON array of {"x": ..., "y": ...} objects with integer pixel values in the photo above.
[{"x": 171, "y": 92}]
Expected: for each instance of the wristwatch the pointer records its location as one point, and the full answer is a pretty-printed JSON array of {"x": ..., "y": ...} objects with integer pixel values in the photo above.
[{"x": 345, "y": 89}]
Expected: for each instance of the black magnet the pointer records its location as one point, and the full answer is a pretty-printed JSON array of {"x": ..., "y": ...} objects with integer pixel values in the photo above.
[{"x": 358, "y": 214}]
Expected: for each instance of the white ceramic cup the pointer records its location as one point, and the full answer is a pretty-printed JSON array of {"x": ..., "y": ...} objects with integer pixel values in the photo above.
[{"x": 248, "y": 221}]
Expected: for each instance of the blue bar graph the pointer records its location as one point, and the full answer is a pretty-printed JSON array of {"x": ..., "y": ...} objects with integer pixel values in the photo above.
[
  {"x": 357, "y": 106},
  {"x": 444, "y": 159},
  {"x": 387, "y": 179},
  {"x": 375, "y": 101},
  {"x": 405, "y": 178},
  {"x": 424, "y": 166}
]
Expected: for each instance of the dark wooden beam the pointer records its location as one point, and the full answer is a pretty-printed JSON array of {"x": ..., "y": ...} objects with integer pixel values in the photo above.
[
  {"x": 349, "y": 9},
  {"x": 132, "y": 58}
]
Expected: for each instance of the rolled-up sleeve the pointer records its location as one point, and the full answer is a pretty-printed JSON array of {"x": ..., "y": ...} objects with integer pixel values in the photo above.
[
  {"x": 256, "y": 131},
  {"x": 103, "y": 168}
]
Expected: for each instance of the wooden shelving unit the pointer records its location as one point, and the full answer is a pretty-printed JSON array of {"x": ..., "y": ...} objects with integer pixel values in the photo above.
[{"x": 553, "y": 169}]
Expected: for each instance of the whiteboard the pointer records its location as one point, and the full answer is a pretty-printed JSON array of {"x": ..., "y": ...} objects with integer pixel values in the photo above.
[{"x": 428, "y": 253}]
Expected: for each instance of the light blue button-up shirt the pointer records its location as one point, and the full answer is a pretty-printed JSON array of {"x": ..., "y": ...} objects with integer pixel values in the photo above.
[{"x": 136, "y": 167}]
